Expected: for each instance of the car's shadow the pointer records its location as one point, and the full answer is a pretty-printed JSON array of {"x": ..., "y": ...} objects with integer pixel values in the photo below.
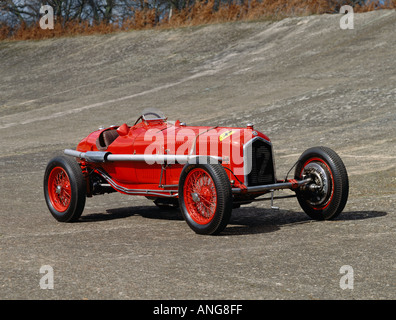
[
  {"x": 250, "y": 220},
  {"x": 245, "y": 220},
  {"x": 152, "y": 212}
]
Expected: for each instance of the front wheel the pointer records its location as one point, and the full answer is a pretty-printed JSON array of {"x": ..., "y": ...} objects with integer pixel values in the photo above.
[
  {"x": 205, "y": 197},
  {"x": 64, "y": 189},
  {"x": 326, "y": 195}
]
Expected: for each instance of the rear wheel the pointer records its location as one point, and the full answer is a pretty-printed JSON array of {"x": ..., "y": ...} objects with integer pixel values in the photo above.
[
  {"x": 64, "y": 189},
  {"x": 205, "y": 197},
  {"x": 326, "y": 195}
]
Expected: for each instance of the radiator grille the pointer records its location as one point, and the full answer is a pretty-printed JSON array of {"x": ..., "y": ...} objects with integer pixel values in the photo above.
[{"x": 262, "y": 170}]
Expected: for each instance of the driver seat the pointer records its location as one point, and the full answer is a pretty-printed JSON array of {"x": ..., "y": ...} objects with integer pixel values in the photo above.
[{"x": 105, "y": 138}]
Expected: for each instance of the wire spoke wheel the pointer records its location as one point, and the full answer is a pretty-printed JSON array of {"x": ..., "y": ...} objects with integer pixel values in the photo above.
[
  {"x": 59, "y": 189},
  {"x": 205, "y": 197},
  {"x": 200, "y": 196},
  {"x": 64, "y": 189}
]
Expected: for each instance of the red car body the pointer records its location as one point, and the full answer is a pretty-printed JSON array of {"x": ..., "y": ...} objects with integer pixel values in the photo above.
[
  {"x": 138, "y": 175},
  {"x": 207, "y": 170}
]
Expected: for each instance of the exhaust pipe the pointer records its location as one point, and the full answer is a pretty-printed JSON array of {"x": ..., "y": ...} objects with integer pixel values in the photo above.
[{"x": 102, "y": 156}]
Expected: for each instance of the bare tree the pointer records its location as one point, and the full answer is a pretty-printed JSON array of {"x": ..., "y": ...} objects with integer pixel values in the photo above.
[{"x": 18, "y": 11}]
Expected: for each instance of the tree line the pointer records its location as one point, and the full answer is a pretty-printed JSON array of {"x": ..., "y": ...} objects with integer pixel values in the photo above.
[{"x": 82, "y": 16}]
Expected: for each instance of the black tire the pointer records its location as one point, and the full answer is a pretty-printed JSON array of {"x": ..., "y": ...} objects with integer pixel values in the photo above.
[
  {"x": 220, "y": 214},
  {"x": 326, "y": 197},
  {"x": 65, "y": 196}
]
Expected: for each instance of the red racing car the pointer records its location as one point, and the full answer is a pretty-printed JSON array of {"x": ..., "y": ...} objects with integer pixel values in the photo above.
[{"x": 205, "y": 171}]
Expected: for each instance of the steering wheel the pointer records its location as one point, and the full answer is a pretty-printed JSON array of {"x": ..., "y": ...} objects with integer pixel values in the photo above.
[
  {"x": 141, "y": 117},
  {"x": 147, "y": 113},
  {"x": 153, "y": 113}
]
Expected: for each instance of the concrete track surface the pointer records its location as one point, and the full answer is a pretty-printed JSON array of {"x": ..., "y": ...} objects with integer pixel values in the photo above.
[{"x": 303, "y": 81}]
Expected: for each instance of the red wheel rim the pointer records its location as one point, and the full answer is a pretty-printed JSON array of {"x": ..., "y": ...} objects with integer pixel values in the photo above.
[
  {"x": 200, "y": 196},
  {"x": 59, "y": 190},
  {"x": 332, "y": 181}
]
